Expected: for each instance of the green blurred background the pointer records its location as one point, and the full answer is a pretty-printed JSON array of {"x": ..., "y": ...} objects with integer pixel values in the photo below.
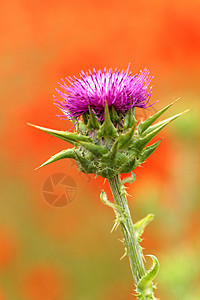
[{"x": 68, "y": 253}]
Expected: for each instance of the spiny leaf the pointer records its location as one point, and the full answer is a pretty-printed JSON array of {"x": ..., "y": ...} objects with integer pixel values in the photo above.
[
  {"x": 113, "y": 115},
  {"x": 126, "y": 138},
  {"x": 106, "y": 172},
  {"x": 81, "y": 128},
  {"x": 96, "y": 150},
  {"x": 113, "y": 151},
  {"x": 110, "y": 158},
  {"x": 105, "y": 201},
  {"x": 148, "y": 277},
  {"x": 85, "y": 118},
  {"x": 140, "y": 225},
  {"x": 139, "y": 145},
  {"x": 168, "y": 120},
  {"x": 145, "y": 124},
  {"x": 70, "y": 137},
  {"x": 148, "y": 151},
  {"x": 129, "y": 165},
  {"x": 130, "y": 179},
  {"x": 118, "y": 210},
  {"x": 68, "y": 153},
  {"x": 86, "y": 165},
  {"x": 93, "y": 122},
  {"x": 107, "y": 129},
  {"x": 129, "y": 119},
  {"x": 121, "y": 159}
]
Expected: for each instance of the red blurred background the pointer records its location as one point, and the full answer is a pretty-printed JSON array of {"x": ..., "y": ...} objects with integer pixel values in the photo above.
[{"x": 68, "y": 253}]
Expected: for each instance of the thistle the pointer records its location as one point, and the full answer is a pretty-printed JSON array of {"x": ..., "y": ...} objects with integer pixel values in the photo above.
[{"x": 108, "y": 141}]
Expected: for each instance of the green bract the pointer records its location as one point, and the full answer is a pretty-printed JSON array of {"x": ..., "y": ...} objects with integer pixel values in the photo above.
[{"x": 114, "y": 146}]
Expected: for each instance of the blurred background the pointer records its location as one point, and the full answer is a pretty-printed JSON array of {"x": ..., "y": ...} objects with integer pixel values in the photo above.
[{"x": 68, "y": 253}]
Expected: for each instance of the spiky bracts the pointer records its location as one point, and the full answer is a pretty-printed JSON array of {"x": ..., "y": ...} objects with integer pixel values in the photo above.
[
  {"x": 121, "y": 91},
  {"x": 110, "y": 148}
]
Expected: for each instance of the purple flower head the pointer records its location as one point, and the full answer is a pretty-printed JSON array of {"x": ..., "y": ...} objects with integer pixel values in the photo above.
[{"x": 119, "y": 89}]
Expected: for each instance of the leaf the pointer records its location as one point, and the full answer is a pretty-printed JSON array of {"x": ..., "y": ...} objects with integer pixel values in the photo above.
[
  {"x": 118, "y": 210},
  {"x": 144, "y": 282},
  {"x": 129, "y": 119},
  {"x": 93, "y": 122},
  {"x": 168, "y": 120},
  {"x": 106, "y": 172},
  {"x": 140, "y": 225},
  {"x": 139, "y": 145},
  {"x": 107, "y": 129},
  {"x": 70, "y": 137},
  {"x": 105, "y": 201},
  {"x": 130, "y": 165},
  {"x": 82, "y": 128},
  {"x": 148, "y": 151},
  {"x": 126, "y": 138},
  {"x": 68, "y": 153},
  {"x": 113, "y": 115},
  {"x": 113, "y": 151},
  {"x": 96, "y": 150},
  {"x": 87, "y": 165},
  {"x": 146, "y": 123},
  {"x": 130, "y": 179}
]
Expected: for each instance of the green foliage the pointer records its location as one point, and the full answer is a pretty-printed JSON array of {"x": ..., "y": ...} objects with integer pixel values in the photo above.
[
  {"x": 127, "y": 138},
  {"x": 129, "y": 119},
  {"x": 140, "y": 225},
  {"x": 109, "y": 148},
  {"x": 72, "y": 138},
  {"x": 68, "y": 153},
  {"x": 93, "y": 121},
  {"x": 148, "y": 151},
  {"x": 107, "y": 129},
  {"x": 118, "y": 210},
  {"x": 145, "y": 287},
  {"x": 145, "y": 124},
  {"x": 97, "y": 150},
  {"x": 162, "y": 124},
  {"x": 130, "y": 179}
]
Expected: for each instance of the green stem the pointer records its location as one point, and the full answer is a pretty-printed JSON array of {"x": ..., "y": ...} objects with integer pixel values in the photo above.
[{"x": 131, "y": 242}]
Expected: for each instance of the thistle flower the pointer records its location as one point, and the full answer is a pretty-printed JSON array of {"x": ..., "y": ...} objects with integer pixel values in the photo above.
[
  {"x": 119, "y": 89},
  {"x": 109, "y": 141}
]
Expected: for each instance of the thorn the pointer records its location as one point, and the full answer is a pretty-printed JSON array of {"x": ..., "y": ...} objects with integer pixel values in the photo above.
[
  {"x": 115, "y": 226},
  {"x": 37, "y": 168},
  {"x": 128, "y": 194},
  {"x": 122, "y": 241},
  {"x": 125, "y": 253},
  {"x": 31, "y": 125},
  {"x": 176, "y": 100},
  {"x": 185, "y": 111}
]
